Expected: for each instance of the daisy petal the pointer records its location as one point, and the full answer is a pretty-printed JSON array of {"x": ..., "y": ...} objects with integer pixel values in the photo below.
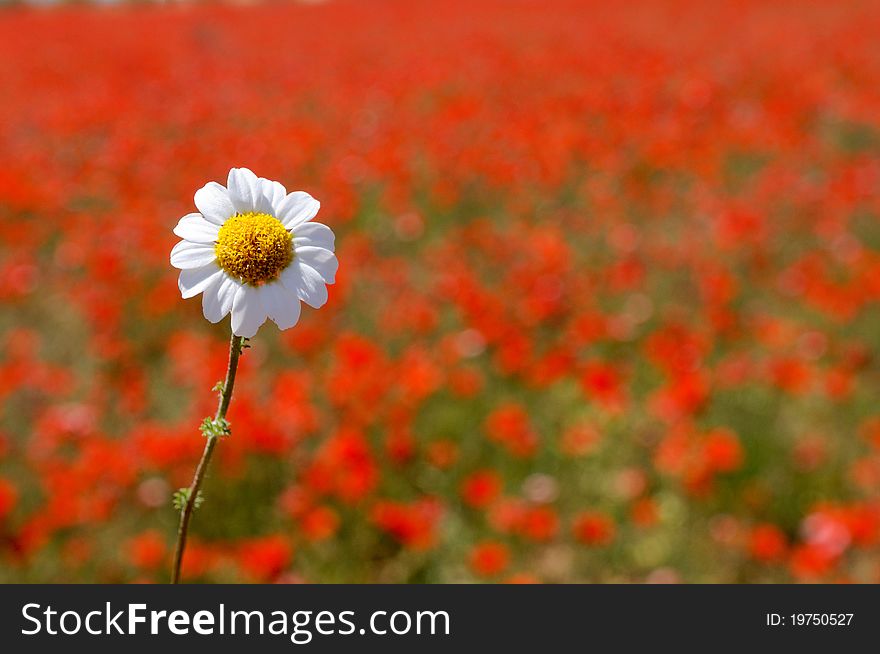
[
  {"x": 186, "y": 255},
  {"x": 273, "y": 192},
  {"x": 324, "y": 261},
  {"x": 297, "y": 208},
  {"x": 314, "y": 234},
  {"x": 213, "y": 202},
  {"x": 306, "y": 282},
  {"x": 246, "y": 191},
  {"x": 248, "y": 312},
  {"x": 217, "y": 298},
  {"x": 282, "y": 305},
  {"x": 193, "y": 281},
  {"x": 195, "y": 228}
]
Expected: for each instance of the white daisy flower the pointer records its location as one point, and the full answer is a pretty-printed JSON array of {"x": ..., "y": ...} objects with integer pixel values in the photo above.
[{"x": 252, "y": 250}]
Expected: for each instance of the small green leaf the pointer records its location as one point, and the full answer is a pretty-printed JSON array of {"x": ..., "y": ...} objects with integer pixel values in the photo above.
[
  {"x": 212, "y": 427},
  {"x": 181, "y": 497}
]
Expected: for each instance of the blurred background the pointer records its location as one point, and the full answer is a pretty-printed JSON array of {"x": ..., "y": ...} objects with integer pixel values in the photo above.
[{"x": 606, "y": 310}]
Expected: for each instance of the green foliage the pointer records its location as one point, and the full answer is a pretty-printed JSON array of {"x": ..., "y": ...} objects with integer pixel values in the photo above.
[
  {"x": 215, "y": 427},
  {"x": 181, "y": 497}
]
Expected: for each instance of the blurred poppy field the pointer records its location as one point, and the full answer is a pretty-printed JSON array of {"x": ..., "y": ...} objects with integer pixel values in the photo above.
[{"x": 606, "y": 307}]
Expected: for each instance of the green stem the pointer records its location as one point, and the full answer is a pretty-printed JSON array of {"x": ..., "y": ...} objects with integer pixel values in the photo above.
[{"x": 235, "y": 347}]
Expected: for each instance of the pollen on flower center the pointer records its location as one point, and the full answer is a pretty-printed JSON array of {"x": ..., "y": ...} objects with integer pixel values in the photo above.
[{"x": 254, "y": 247}]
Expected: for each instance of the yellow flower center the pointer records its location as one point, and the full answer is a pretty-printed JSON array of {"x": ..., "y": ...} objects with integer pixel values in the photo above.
[{"x": 254, "y": 247}]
